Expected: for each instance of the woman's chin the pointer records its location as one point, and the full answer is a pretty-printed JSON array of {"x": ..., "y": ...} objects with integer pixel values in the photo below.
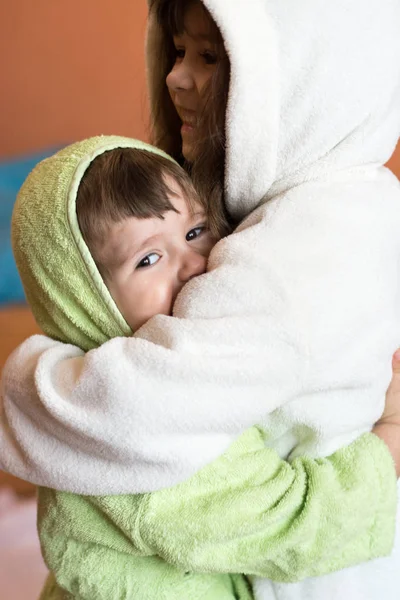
[{"x": 188, "y": 150}]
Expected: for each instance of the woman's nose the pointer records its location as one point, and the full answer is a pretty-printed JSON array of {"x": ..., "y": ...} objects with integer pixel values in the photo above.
[
  {"x": 179, "y": 78},
  {"x": 193, "y": 264}
]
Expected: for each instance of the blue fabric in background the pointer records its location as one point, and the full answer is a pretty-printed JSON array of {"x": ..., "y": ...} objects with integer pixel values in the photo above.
[{"x": 12, "y": 175}]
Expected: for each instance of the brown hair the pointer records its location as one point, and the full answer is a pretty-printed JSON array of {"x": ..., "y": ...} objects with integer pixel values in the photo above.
[
  {"x": 208, "y": 169},
  {"x": 122, "y": 183}
]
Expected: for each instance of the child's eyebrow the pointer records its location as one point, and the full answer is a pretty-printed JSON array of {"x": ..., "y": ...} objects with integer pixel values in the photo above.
[
  {"x": 199, "y": 214},
  {"x": 121, "y": 254},
  {"x": 147, "y": 241},
  {"x": 118, "y": 254}
]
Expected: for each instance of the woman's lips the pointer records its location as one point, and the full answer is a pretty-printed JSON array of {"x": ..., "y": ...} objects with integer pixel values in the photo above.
[{"x": 188, "y": 119}]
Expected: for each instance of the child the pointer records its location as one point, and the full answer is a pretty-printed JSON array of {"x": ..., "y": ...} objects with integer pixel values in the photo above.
[
  {"x": 137, "y": 223},
  {"x": 300, "y": 310},
  {"x": 140, "y": 225},
  {"x": 145, "y": 229}
]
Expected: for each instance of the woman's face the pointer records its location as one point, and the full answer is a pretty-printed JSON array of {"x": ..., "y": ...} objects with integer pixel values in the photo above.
[{"x": 195, "y": 63}]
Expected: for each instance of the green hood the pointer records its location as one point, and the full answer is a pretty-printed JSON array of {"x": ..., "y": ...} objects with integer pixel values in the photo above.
[{"x": 62, "y": 283}]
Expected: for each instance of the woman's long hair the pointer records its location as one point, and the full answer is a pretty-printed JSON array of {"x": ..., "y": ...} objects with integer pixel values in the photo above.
[{"x": 207, "y": 170}]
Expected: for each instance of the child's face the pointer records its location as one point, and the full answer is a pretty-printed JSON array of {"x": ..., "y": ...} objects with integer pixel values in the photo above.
[
  {"x": 196, "y": 60},
  {"x": 148, "y": 261}
]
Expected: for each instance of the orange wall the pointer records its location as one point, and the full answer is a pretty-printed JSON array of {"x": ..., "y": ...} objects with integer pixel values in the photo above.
[
  {"x": 70, "y": 69},
  {"x": 394, "y": 162}
]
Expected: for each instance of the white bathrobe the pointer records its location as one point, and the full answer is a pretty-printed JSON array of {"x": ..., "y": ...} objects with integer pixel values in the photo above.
[{"x": 296, "y": 321}]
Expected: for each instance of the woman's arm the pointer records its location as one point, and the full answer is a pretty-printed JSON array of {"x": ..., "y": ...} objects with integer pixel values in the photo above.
[{"x": 142, "y": 413}]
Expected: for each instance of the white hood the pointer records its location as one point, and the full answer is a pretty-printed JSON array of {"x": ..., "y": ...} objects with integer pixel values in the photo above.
[{"x": 315, "y": 87}]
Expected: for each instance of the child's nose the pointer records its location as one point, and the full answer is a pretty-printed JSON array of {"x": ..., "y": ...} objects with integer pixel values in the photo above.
[
  {"x": 179, "y": 78},
  {"x": 193, "y": 264}
]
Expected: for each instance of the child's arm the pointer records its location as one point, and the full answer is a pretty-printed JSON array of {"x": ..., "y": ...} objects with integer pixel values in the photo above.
[
  {"x": 258, "y": 515},
  {"x": 91, "y": 555},
  {"x": 107, "y": 575},
  {"x": 247, "y": 512}
]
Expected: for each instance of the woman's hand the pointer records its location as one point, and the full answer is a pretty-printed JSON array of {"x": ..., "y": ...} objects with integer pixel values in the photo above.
[{"x": 388, "y": 426}]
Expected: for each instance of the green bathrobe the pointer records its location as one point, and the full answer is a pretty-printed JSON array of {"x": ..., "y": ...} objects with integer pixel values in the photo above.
[{"x": 248, "y": 512}]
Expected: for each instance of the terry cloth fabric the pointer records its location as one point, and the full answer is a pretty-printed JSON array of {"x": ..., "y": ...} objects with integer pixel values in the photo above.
[
  {"x": 122, "y": 546},
  {"x": 300, "y": 309},
  {"x": 62, "y": 284},
  {"x": 129, "y": 536},
  {"x": 295, "y": 323},
  {"x": 103, "y": 531},
  {"x": 248, "y": 512},
  {"x": 73, "y": 304},
  {"x": 170, "y": 585}
]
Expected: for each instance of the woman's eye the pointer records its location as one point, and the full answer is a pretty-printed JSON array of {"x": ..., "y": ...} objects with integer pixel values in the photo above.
[
  {"x": 209, "y": 57},
  {"x": 194, "y": 233},
  {"x": 179, "y": 53},
  {"x": 148, "y": 260}
]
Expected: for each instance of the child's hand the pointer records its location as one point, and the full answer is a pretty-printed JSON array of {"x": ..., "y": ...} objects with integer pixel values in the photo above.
[{"x": 388, "y": 426}]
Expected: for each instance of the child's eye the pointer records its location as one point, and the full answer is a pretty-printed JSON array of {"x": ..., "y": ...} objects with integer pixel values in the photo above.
[
  {"x": 209, "y": 57},
  {"x": 148, "y": 260},
  {"x": 195, "y": 232}
]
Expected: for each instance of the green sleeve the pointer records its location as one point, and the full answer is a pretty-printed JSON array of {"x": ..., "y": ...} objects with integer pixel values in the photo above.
[
  {"x": 251, "y": 512},
  {"x": 248, "y": 512},
  {"x": 91, "y": 554},
  {"x": 112, "y": 576}
]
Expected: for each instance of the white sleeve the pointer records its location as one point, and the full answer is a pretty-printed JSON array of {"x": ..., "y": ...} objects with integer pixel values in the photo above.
[{"x": 146, "y": 412}]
